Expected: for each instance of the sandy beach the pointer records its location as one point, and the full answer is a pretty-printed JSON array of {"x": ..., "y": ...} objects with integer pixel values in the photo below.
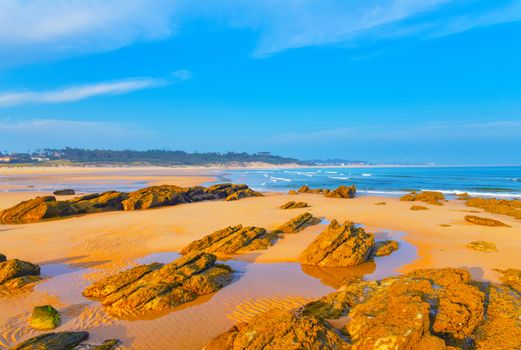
[{"x": 76, "y": 251}]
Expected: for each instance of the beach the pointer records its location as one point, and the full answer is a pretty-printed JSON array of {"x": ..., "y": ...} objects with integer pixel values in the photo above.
[{"x": 76, "y": 251}]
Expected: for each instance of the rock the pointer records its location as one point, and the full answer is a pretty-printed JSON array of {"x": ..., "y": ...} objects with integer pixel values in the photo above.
[
  {"x": 292, "y": 192},
  {"x": 383, "y": 248},
  {"x": 53, "y": 341},
  {"x": 297, "y": 224},
  {"x": 294, "y": 205},
  {"x": 16, "y": 273},
  {"x": 108, "y": 344},
  {"x": 418, "y": 207},
  {"x": 431, "y": 197},
  {"x": 511, "y": 278},
  {"x": 342, "y": 192},
  {"x": 233, "y": 240},
  {"x": 508, "y": 207},
  {"x": 2, "y": 258},
  {"x": 278, "y": 329},
  {"x": 339, "y": 245},
  {"x": 306, "y": 189},
  {"x": 173, "y": 284},
  {"x": 482, "y": 246},
  {"x": 44, "y": 317},
  {"x": 243, "y": 194},
  {"x": 463, "y": 196},
  {"x": 64, "y": 192},
  {"x": 484, "y": 221},
  {"x": 380, "y": 203},
  {"x": 157, "y": 196},
  {"x": 31, "y": 210}
]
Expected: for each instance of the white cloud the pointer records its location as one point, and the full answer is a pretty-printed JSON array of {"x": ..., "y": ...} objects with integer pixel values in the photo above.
[
  {"x": 182, "y": 74},
  {"x": 77, "y": 93}
]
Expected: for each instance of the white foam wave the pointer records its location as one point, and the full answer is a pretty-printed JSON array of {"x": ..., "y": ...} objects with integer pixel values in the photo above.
[
  {"x": 331, "y": 172},
  {"x": 367, "y": 175},
  {"x": 480, "y": 194},
  {"x": 279, "y": 179},
  {"x": 338, "y": 177}
]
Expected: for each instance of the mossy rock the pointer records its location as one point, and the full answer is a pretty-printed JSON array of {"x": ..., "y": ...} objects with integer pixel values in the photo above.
[{"x": 45, "y": 317}]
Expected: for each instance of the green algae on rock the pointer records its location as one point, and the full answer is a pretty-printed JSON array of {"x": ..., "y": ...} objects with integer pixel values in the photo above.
[
  {"x": 159, "y": 287},
  {"x": 44, "y": 317}
]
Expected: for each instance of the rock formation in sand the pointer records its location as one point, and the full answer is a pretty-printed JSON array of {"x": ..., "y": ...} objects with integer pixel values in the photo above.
[
  {"x": 508, "y": 207},
  {"x": 484, "y": 221},
  {"x": 297, "y": 223},
  {"x": 306, "y": 189},
  {"x": 482, "y": 246},
  {"x": 44, "y": 317},
  {"x": 233, "y": 240},
  {"x": 53, "y": 341},
  {"x": 342, "y": 192},
  {"x": 48, "y": 207},
  {"x": 16, "y": 273},
  {"x": 430, "y": 197},
  {"x": 435, "y": 309},
  {"x": 278, "y": 329},
  {"x": 418, "y": 207},
  {"x": 292, "y": 192},
  {"x": 344, "y": 245},
  {"x": 64, "y": 192},
  {"x": 158, "y": 287},
  {"x": 294, "y": 205}
]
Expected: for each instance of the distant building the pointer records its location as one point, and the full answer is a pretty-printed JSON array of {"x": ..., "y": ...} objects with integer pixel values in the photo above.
[
  {"x": 5, "y": 159},
  {"x": 40, "y": 159}
]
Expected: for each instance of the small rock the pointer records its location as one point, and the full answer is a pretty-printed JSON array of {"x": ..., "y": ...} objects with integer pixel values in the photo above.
[
  {"x": 2, "y": 258},
  {"x": 485, "y": 221},
  {"x": 482, "y": 246},
  {"x": 53, "y": 341},
  {"x": 108, "y": 344},
  {"x": 292, "y": 192},
  {"x": 418, "y": 207},
  {"x": 383, "y": 248},
  {"x": 45, "y": 317},
  {"x": 16, "y": 273},
  {"x": 297, "y": 224},
  {"x": 64, "y": 192},
  {"x": 294, "y": 205}
]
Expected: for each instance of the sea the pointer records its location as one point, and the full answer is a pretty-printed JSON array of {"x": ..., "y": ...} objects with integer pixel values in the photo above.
[{"x": 483, "y": 181}]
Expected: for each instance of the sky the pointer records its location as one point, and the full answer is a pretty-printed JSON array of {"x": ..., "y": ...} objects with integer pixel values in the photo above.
[{"x": 391, "y": 80}]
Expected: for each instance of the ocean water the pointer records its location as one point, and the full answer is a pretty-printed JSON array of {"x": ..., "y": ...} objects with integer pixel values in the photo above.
[{"x": 499, "y": 182}]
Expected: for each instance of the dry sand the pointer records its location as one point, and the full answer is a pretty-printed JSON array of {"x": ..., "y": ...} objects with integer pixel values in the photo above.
[{"x": 75, "y": 251}]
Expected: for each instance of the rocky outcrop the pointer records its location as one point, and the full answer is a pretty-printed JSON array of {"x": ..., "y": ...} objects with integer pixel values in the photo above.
[
  {"x": 297, "y": 224},
  {"x": 44, "y": 317},
  {"x": 294, "y": 205},
  {"x": 484, "y": 221},
  {"x": 418, "y": 207},
  {"x": 344, "y": 245},
  {"x": 383, "y": 248},
  {"x": 48, "y": 207},
  {"x": 64, "y": 192},
  {"x": 53, "y": 341},
  {"x": 17, "y": 273},
  {"x": 233, "y": 240},
  {"x": 430, "y": 197},
  {"x": 306, "y": 189},
  {"x": 159, "y": 287},
  {"x": 511, "y": 278},
  {"x": 278, "y": 329},
  {"x": 508, "y": 207},
  {"x": 482, "y": 246},
  {"x": 292, "y": 192},
  {"x": 2, "y": 258},
  {"x": 342, "y": 192}
]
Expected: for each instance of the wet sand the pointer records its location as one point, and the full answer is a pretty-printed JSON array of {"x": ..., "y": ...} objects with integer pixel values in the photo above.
[{"x": 76, "y": 251}]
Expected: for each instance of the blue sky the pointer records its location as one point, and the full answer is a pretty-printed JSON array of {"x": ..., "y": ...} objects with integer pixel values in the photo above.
[{"x": 395, "y": 80}]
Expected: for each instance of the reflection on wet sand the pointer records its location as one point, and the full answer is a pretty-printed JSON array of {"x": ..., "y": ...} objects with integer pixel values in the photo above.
[{"x": 338, "y": 276}]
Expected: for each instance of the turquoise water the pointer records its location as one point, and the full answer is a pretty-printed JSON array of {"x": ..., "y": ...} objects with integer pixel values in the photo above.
[{"x": 500, "y": 182}]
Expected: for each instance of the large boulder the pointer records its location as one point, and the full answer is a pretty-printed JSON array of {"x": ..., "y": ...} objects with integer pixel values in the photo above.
[
  {"x": 53, "y": 341},
  {"x": 297, "y": 224},
  {"x": 342, "y": 192},
  {"x": 44, "y": 317},
  {"x": 17, "y": 273},
  {"x": 431, "y": 197},
  {"x": 159, "y": 288},
  {"x": 339, "y": 245},
  {"x": 233, "y": 240},
  {"x": 278, "y": 329}
]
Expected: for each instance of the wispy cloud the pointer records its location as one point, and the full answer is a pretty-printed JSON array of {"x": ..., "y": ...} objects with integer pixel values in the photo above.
[{"x": 82, "y": 92}]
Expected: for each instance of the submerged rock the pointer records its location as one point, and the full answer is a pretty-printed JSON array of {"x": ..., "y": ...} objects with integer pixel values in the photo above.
[
  {"x": 294, "y": 205},
  {"x": 17, "y": 273},
  {"x": 342, "y": 192},
  {"x": 278, "y": 329},
  {"x": 64, "y": 192},
  {"x": 53, "y": 341},
  {"x": 510, "y": 207},
  {"x": 482, "y": 246},
  {"x": 383, "y": 248},
  {"x": 431, "y": 197},
  {"x": 233, "y": 240},
  {"x": 297, "y": 224},
  {"x": 158, "y": 287},
  {"x": 48, "y": 207},
  {"x": 44, "y": 317},
  {"x": 484, "y": 221},
  {"x": 339, "y": 245}
]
